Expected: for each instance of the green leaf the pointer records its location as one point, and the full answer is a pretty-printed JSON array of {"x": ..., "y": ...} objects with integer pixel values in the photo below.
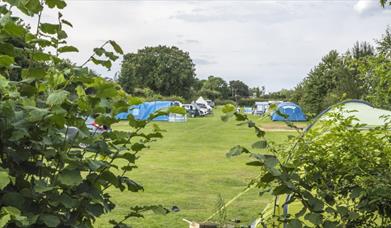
[
  {"x": 14, "y": 199},
  {"x": 314, "y": 218},
  {"x": 105, "y": 63},
  {"x": 116, "y": 47},
  {"x": 4, "y": 178},
  {"x": 41, "y": 186},
  {"x": 294, "y": 223},
  {"x": 177, "y": 110},
  {"x": 60, "y": 4},
  {"x": 49, "y": 28},
  {"x": 37, "y": 114},
  {"x": 50, "y": 220},
  {"x": 262, "y": 144},
  {"x": 6, "y": 60},
  {"x": 66, "y": 22},
  {"x": 57, "y": 97},
  {"x": 330, "y": 224},
  {"x": 40, "y": 56},
  {"x": 237, "y": 150},
  {"x": 68, "y": 49},
  {"x": 56, "y": 80},
  {"x": 36, "y": 73},
  {"x": 228, "y": 108},
  {"x": 70, "y": 177},
  {"x": 14, "y": 29},
  {"x": 315, "y": 204},
  {"x": 33, "y": 6}
]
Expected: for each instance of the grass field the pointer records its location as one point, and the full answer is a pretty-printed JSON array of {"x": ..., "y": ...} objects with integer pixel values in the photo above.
[{"x": 188, "y": 168}]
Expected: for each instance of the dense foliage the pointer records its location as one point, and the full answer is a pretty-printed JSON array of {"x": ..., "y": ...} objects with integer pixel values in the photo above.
[
  {"x": 363, "y": 72},
  {"x": 54, "y": 172},
  {"x": 334, "y": 175},
  {"x": 215, "y": 87},
  {"x": 165, "y": 70}
]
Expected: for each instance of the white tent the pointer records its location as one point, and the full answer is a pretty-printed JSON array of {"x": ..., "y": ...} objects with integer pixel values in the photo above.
[
  {"x": 201, "y": 100},
  {"x": 363, "y": 111}
]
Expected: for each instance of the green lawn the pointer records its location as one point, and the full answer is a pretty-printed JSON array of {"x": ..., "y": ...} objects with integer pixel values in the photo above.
[{"x": 188, "y": 168}]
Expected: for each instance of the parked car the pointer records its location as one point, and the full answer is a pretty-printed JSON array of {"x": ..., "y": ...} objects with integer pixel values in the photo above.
[
  {"x": 192, "y": 110},
  {"x": 205, "y": 108},
  {"x": 210, "y": 103},
  {"x": 260, "y": 108}
]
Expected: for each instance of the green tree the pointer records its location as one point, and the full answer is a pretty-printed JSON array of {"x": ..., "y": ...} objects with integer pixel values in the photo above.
[
  {"x": 361, "y": 50},
  {"x": 238, "y": 89},
  {"x": 165, "y": 70},
  {"x": 384, "y": 44},
  {"x": 215, "y": 87},
  {"x": 377, "y": 75},
  {"x": 54, "y": 172}
]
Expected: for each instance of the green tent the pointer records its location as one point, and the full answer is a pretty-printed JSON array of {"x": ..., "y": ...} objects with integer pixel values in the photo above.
[{"x": 363, "y": 111}]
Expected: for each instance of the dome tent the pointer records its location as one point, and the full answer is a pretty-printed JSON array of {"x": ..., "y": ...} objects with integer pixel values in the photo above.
[
  {"x": 364, "y": 112},
  {"x": 292, "y": 110},
  {"x": 144, "y": 110}
]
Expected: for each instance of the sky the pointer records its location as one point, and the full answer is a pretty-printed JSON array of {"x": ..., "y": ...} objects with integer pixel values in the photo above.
[{"x": 263, "y": 43}]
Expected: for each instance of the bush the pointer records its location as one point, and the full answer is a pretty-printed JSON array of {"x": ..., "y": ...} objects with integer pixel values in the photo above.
[
  {"x": 249, "y": 101},
  {"x": 336, "y": 175},
  {"x": 224, "y": 102},
  {"x": 54, "y": 172}
]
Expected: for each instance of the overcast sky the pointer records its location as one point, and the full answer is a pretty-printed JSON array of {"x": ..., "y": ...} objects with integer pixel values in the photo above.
[{"x": 270, "y": 43}]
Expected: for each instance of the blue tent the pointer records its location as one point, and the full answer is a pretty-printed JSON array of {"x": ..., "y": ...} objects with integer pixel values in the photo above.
[
  {"x": 144, "y": 110},
  {"x": 293, "y": 111}
]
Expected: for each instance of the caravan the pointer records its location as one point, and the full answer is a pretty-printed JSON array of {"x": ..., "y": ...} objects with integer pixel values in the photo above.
[{"x": 260, "y": 107}]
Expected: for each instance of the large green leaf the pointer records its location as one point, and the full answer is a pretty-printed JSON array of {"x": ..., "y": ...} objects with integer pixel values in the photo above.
[
  {"x": 70, "y": 177},
  {"x": 6, "y": 60},
  {"x": 57, "y": 97},
  {"x": 4, "y": 178},
  {"x": 68, "y": 49},
  {"x": 50, "y": 220},
  {"x": 60, "y": 4},
  {"x": 294, "y": 223},
  {"x": 116, "y": 47},
  {"x": 14, "y": 29},
  {"x": 49, "y": 28},
  {"x": 236, "y": 150},
  {"x": 33, "y": 6},
  {"x": 314, "y": 218},
  {"x": 260, "y": 144}
]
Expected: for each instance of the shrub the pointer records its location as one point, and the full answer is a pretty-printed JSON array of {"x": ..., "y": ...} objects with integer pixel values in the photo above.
[
  {"x": 54, "y": 172},
  {"x": 224, "y": 102},
  {"x": 336, "y": 174}
]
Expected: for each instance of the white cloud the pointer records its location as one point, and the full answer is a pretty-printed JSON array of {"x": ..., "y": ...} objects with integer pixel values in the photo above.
[{"x": 367, "y": 7}]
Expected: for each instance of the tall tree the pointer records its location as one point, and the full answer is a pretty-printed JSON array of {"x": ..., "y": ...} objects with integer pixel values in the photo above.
[
  {"x": 239, "y": 89},
  {"x": 384, "y": 44},
  {"x": 165, "y": 70},
  {"x": 215, "y": 87},
  {"x": 362, "y": 49}
]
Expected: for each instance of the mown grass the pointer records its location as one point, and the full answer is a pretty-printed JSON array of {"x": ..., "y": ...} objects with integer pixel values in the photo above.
[{"x": 188, "y": 168}]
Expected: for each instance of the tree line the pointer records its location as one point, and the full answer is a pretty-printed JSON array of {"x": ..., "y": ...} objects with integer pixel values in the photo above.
[
  {"x": 362, "y": 72},
  {"x": 170, "y": 72}
]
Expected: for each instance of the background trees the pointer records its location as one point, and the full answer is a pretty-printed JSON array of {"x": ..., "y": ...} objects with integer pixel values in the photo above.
[
  {"x": 166, "y": 70},
  {"x": 238, "y": 89},
  {"x": 363, "y": 72},
  {"x": 215, "y": 87}
]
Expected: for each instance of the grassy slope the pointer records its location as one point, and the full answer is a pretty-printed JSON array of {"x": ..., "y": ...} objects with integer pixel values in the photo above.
[{"x": 188, "y": 168}]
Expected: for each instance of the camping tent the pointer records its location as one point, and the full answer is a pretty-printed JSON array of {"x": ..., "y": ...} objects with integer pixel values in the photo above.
[
  {"x": 292, "y": 110},
  {"x": 201, "y": 100},
  {"x": 144, "y": 110},
  {"x": 363, "y": 111},
  {"x": 248, "y": 110}
]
